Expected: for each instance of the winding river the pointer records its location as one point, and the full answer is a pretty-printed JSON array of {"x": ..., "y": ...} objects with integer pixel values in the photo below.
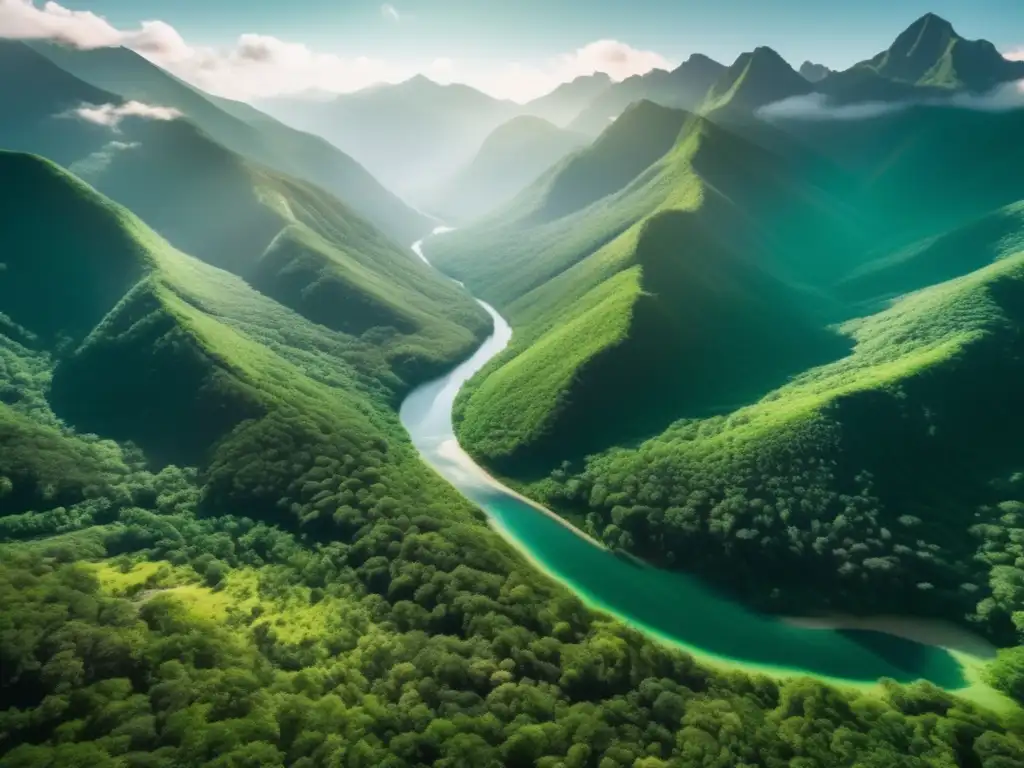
[{"x": 671, "y": 607}]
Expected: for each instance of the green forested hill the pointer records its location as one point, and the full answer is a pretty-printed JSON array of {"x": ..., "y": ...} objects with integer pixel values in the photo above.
[
  {"x": 267, "y": 575},
  {"x": 709, "y": 295},
  {"x": 242, "y": 129},
  {"x": 715, "y": 290},
  {"x": 294, "y": 241},
  {"x": 290, "y": 240}
]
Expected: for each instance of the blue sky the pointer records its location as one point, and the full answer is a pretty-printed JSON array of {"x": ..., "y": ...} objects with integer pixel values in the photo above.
[
  {"x": 480, "y": 40},
  {"x": 834, "y": 33}
]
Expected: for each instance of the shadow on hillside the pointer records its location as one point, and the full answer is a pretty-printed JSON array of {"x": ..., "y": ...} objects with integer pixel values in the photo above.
[{"x": 711, "y": 332}]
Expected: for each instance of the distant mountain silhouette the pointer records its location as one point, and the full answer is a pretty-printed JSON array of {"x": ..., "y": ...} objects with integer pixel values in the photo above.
[
  {"x": 814, "y": 72},
  {"x": 563, "y": 104}
]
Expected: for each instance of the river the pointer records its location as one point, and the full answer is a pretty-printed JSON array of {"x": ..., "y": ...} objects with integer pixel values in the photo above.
[{"x": 672, "y": 607}]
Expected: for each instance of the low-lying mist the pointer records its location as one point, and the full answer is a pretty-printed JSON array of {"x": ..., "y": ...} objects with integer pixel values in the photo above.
[{"x": 817, "y": 106}]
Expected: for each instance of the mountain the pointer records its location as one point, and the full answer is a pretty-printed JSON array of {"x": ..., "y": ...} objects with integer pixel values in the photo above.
[
  {"x": 684, "y": 88},
  {"x": 510, "y": 159},
  {"x": 211, "y": 514},
  {"x": 755, "y": 79},
  {"x": 643, "y": 133},
  {"x": 891, "y": 159},
  {"x": 814, "y": 72},
  {"x": 626, "y": 301},
  {"x": 411, "y": 135},
  {"x": 931, "y": 53},
  {"x": 244, "y": 130},
  {"x": 39, "y": 98},
  {"x": 292, "y": 241},
  {"x": 171, "y": 352},
  {"x": 889, "y": 317},
  {"x": 565, "y": 102}
]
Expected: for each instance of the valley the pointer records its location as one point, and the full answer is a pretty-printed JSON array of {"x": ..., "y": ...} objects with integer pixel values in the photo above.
[{"x": 686, "y": 433}]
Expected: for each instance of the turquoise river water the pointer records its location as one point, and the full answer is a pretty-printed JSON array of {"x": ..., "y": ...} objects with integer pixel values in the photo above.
[{"x": 669, "y": 606}]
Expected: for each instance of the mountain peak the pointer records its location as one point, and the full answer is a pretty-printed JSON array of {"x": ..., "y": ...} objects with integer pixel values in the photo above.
[
  {"x": 757, "y": 78},
  {"x": 419, "y": 79},
  {"x": 929, "y": 33},
  {"x": 930, "y": 53}
]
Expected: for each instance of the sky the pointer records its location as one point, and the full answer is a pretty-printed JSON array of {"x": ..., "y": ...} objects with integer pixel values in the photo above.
[{"x": 519, "y": 49}]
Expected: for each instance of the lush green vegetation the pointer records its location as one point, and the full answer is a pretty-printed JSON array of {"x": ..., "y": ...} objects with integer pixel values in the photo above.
[
  {"x": 690, "y": 309},
  {"x": 238, "y": 127},
  {"x": 217, "y": 546},
  {"x": 660, "y": 329},
  {"x": 305, "y": 592}
]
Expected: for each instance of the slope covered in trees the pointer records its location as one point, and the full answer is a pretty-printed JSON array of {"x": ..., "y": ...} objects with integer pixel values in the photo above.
[
  {"x": 878, "y": 463},
  {"x": 238, "y": 127},
  {"x": 292, "y": 240},
  {"x": 307, "y": 593},
  {"x": 702, "y": 291}
]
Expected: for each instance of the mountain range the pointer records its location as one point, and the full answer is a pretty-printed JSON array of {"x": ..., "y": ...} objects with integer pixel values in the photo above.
[
  {"x": 509, "y": 160},
  {"x": 702, "y": 300},
  {"x": 116, "y": 75},
  {"x": 782, "y": 355},
  {"x": 419, "y": 134}
]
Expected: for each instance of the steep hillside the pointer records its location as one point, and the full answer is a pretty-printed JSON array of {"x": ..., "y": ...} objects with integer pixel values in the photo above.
[
  {"x": 892, "y": 158},
  {"x": 220, "y": 206},
  {"x": 38, "y": 99},
  {"x": 509, "y": 160},
  {"x": 411, "y": 135},
  {"x": 293, "y": 242},
  {"x": 702, "y": 301},
  {"x": 938, "y": 258},
  {"x": 880, "y": 479},
  {"x": 641, "y": 163},
  {"x": 246, "y": 131},
  {"x": 755, "y": 79}
]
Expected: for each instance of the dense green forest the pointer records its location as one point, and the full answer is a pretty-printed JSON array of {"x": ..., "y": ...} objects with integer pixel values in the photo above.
[
  {"x": 734, "y": 355},
  {"x": 261, "y": 573},
  {"x": 780, "y": 356}
]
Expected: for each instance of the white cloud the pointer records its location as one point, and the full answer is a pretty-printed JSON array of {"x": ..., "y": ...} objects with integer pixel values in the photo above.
[
  {"x": 111, "y": 115},
  {"x": 522, "y": 82},
  {"x": 23, "y": 19},
  {"x": 98, "y": 161},
  {"x": 815, "y": 106},
  {"x": 617, "y": 60},
  {"x": 260, "y": 66}
]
